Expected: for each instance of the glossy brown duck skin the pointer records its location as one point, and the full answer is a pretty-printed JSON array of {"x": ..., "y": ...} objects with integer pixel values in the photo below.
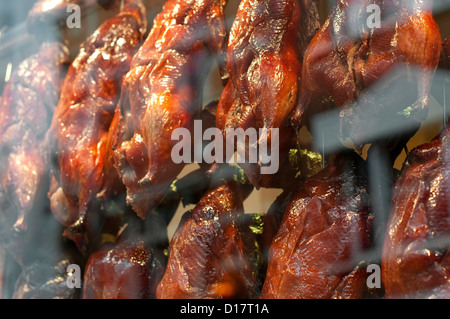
[
  {"x": 130, "y": 268},
  {"x": 265, "y": 50},
  {"x": 29, "y": 100},
  {"x": 272, "y": 221},
  {"x": 207, "y": 254},
  {"x": 342, "y": 66},
  {"x": 162, "y": 92},
  {"x": 416, "y": 259},
  {"x": 324, "y": 228},
  {"x": 79, "y": 129}
]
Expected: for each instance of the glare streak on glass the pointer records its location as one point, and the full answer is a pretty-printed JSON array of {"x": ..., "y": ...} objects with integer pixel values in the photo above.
[{"x": 8, "y": 72}]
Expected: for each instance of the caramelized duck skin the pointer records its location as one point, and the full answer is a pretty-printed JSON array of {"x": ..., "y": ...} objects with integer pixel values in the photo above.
[
  {"x": 162, "y": 92},
  {"x": 207, "y": 254},
  {"x": 272, "y": 221},
  {"x": 81, "y": 122},
  {"x": 324, "y": 228},
  {"x": 29, "y": 100},
  {"x": 264, "y": 56},
  {"x": 128, "y": 269},
  {"x": 416, "y": 259},
  {"x": 341, "y": 63}
]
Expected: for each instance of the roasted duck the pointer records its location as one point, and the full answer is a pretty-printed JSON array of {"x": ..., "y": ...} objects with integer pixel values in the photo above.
[
  {"x": 129, "y": 268},
  {"x": 272, "y": 221},
  {"x": 347, "y": 57},
  {"x": 416, "y": 259},
  {"x": 25, "y": 116},
  {"x": 163, "y": 92},
  {"x": 79, "y": 130},
  {"x": 264, "y": 58},
  {"x": 325, "y": 228},
  {"x": 207, "y": 253}
]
